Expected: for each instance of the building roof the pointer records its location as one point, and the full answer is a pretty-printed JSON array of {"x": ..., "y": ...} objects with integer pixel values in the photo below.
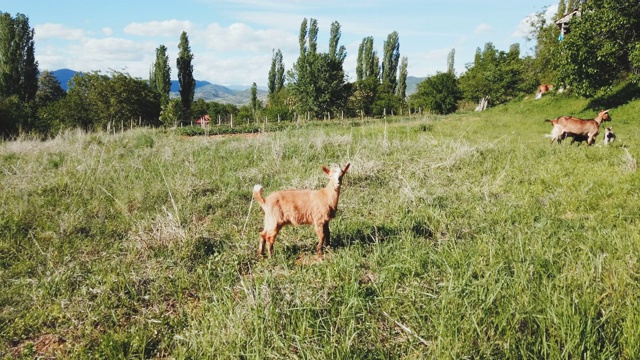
[{"x": 565, "y": 19}]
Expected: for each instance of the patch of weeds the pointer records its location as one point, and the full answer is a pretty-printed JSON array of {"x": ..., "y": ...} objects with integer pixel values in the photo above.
[
  {"x": 425, "y": 127},
  {"x": 203, "y": 248},
  {"x": 144, "y": 141},
  {"x": 55, "y": 160}
]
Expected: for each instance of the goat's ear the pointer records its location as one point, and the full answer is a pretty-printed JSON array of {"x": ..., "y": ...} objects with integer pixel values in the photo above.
[
  {"x": 326, "y": 170},
  {"x": 346, "y": 168}
]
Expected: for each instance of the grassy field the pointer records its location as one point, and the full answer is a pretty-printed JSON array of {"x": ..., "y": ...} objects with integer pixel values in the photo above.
[{"x": 465, "y": 236}]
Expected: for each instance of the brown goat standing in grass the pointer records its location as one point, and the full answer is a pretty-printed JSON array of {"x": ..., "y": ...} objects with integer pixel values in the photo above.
[
  {"x": 571, "y": 126},
  {"x": 297, "y": 207}
]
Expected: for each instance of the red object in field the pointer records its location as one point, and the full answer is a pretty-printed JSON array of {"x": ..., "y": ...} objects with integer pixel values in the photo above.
[{"x": 203, "y": 120}]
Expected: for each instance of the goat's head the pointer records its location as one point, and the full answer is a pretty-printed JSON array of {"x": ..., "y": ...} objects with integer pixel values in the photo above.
[
  {"x": 336, "y": 174},
  {"x": 604, "y": 116}
]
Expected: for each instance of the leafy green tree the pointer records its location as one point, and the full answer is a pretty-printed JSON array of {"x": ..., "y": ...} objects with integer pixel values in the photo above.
[
  {"x": 317, "y": 82},
  {"x": 600, "y": 48},
  {"x": 172, "y": 113},
  {"x": 199, "y": 108},
  {"x": 439, "y": 93},
  {"x": 385, "y": 103},
  {"x": 221, "y": 111},
  {"x": 542, "y": 69},
  {"x": 497, "y": 76},
  {"x": 11, "y": 111},
  {"x": 95, "y": 100},
  {"x": 244, "y": 114},
  {"x": 365, "y": 92},
  {"x": 390, "y": 61},
  {"x": 634, "y": 58},
  {"x": 185, "y": 74},
  {"x": 49, "y": 89},
  {"x": 18, "y": 66},
  {"x": 48, "y": 104},
  {"x": 160, "y": 77}
]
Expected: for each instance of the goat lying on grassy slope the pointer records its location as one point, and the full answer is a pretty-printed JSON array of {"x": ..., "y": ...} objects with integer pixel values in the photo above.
[
  {"x": 571, "y": 126},
  {"x": 609, "y": 136},
  {"x": 296, "y": 207}
]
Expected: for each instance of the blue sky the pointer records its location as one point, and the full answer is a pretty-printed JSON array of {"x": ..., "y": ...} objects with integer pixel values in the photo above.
[{"x": 232, "y": 40}]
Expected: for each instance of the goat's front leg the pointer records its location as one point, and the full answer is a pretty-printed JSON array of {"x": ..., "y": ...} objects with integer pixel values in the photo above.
[{"x": 324, "y": 236}]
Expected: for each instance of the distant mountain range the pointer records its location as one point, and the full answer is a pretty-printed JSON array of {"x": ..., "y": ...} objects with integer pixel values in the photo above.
[{"x": 233, "y": 94}]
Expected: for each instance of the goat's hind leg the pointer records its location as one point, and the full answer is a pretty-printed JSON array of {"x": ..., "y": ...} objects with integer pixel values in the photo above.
[
  {"x": 263, "y": 239},
  {"x": 270, "y": 237}
]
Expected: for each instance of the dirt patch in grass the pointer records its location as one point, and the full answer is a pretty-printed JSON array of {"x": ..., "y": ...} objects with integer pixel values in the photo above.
[
  {"x": 243, "y": 135},
  {"x": 47, "y": 346}
]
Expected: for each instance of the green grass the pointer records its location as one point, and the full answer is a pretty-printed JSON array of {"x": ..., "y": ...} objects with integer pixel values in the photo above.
[{"x": 465, "y": 236}]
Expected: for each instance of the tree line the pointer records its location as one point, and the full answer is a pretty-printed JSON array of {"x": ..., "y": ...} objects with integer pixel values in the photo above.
[{"x": 601, "y": 50}]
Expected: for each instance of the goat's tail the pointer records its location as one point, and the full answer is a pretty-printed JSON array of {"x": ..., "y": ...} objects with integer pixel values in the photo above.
[{"x": 257, "y": 194}]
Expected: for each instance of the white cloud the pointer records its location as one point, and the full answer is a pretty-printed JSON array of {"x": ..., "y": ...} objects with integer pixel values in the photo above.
[
  {"x": 159, "y": 28},
  {"x": 428, "y": 63},
  {"x": 524, "y": 27},
  {"x": 48, "y": 31},
  {"x": 227, "y": 70},
  {"x": 107, "y": 31},
  {"x": 241, "y": 37},
  {"x": 105, "y": 54},
  {"x": 483, "y": 29}
]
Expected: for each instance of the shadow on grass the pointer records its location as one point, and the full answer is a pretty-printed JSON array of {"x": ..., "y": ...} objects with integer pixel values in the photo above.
[
  {"x": 616, "y": 98},
  {"x": 372, "y": 234}
]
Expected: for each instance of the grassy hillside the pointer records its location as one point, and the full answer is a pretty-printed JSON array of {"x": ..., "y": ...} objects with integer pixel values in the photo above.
[{"x": 466, "y": 236}]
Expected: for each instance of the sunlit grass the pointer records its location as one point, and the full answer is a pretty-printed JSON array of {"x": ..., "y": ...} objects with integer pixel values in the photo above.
[{"x": 460, "y": 236}]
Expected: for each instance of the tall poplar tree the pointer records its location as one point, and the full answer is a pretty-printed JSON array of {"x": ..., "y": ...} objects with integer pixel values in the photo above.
[
  {"x": 271, "y": 80},
  {"x": 18, "y": 66},
  {"x": 303, "y": 75},
  {"x": 276, "y": 74},
  {"x": 332, "y": 90},
  {"x": 562, "y": 9},
  {"x": 572, "y": 5},
  {"x": 368, "y": 61},
  {"x": 336, "y": 52},
  {"x": 401, "y": 90},
  {"x": 185, "y": 74},
  {"x": 254, "y": 99},
  {"x": 160, "y": 78},
  {"x": 391, "y": 60},
  {"x": 451, "y": 61}
]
